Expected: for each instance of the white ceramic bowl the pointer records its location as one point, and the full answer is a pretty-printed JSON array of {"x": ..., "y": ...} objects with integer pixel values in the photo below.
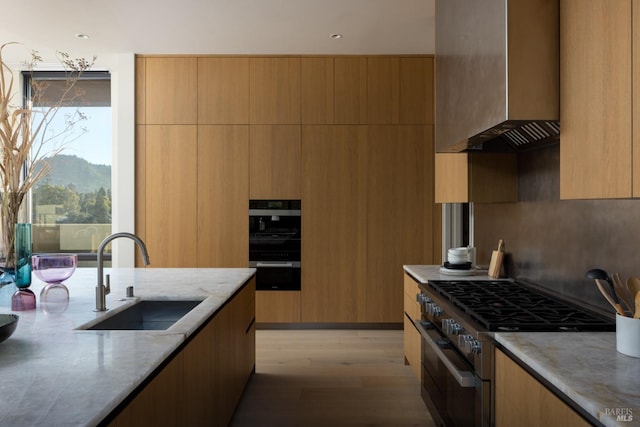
[{"x": 458, "y": 252}]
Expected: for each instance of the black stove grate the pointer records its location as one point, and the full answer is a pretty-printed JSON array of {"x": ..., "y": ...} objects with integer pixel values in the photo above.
[{"x": 512, "y": 306}]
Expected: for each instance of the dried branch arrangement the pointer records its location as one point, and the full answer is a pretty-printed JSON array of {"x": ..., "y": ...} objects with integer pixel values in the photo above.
[{"x": 26, "y": 142}]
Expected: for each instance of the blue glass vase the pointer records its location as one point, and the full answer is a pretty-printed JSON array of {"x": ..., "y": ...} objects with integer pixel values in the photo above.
[
  {"x": 23, "y": 255},
  {"x": 23, "y": 299}
]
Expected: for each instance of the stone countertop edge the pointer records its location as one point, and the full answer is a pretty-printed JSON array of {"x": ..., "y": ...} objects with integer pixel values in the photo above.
[
  {"x": 584, "y": 366},
  {"x": 52, "y": 373}
]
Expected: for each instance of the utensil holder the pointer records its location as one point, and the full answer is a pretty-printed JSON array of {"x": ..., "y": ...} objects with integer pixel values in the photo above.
[{"x": 628, "y": 335}]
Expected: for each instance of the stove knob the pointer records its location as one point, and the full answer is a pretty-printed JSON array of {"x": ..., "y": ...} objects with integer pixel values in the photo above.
[
  {"x": 450, "y": 326},
  {"x": 423, "y": 298},
  {"x": 434, "y": 310},
  {"x": 469, "y": 344},
  {"x": 446, "y": 325}
]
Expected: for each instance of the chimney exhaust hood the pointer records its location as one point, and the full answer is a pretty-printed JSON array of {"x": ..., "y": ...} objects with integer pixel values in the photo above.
[{"x": 497, "y": 74}]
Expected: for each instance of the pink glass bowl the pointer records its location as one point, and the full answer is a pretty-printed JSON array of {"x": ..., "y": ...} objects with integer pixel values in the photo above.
[{"x": 54, "y": 268}]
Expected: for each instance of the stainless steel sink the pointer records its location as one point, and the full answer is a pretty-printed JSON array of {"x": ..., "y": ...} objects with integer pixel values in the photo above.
[{"x": 147, "y": 315}]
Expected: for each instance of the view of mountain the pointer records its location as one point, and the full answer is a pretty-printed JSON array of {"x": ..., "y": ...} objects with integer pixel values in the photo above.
[{"x": 85, "y": 177}]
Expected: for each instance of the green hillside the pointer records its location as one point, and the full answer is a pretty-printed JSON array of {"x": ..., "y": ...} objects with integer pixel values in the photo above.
[{"x": 84, "y": 176}]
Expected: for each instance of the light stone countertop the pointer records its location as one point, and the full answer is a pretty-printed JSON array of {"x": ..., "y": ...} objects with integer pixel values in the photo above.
[
  {"x": 584, "y": 366},
  {"x": 52, "y": 374}
]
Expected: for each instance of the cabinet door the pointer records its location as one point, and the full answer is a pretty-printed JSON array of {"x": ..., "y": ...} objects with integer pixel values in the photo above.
[
  {"x": 317, "y": 90},
  {"x": 636, "y": 95},
  {"x": 522, "y": 401},
  {"x": 333, "y": 230},
  {"x": 383, "y": 90},
  {"x": 416, "y": 90},
  {"x": 223, "y": 91},
  {"x": 171, "y": 91},
  {"x": 223, "y": 196},
  {"x": 170, "y": 195},
  {"x": 350, "y": 90},
  {"x": 274, "y": 91},
  {"x": 395, "y": 214},
  {"x": 274, "y": 159},
  {"x": 595, "y": 99},
  {"x": 278, "y": 306},
  {"x": 411, "y": 335}
]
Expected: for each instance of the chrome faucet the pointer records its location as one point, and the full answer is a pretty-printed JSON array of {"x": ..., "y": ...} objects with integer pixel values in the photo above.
[{"x": 101, "y": 290}]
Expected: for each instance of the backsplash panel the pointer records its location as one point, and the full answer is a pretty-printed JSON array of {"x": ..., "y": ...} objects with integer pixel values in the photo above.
[{"x": 554, "y": 242}]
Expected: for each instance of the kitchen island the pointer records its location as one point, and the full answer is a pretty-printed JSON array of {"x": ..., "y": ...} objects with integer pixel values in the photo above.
[
  {"x": 582, "y": 368},
  {"x": 51, "y": 373}
]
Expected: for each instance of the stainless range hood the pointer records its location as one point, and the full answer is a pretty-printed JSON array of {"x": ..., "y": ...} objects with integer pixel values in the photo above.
[{"x": 497, "y": 74}]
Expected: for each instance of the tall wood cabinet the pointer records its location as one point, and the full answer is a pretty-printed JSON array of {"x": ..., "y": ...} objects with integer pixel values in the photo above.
[
  {"x": 351, "y": 136},
  {"x": 599, "y": 144},
  {"x": 334, "y": 224}
]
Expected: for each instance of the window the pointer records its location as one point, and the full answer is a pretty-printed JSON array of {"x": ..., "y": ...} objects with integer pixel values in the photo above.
[{"x": 70, "y": 208}]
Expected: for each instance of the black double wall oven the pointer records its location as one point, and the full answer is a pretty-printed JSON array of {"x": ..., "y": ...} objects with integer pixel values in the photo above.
[{"x": 274, "y": 244}]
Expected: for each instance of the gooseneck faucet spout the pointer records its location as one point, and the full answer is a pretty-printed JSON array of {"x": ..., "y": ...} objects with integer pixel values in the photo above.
[{"x": 101, "y": 290}]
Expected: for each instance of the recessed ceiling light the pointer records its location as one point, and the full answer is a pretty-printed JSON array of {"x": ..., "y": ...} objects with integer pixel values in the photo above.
[
  {"x": 82, "y": 36},
  {"x": 336, "y": 36}
]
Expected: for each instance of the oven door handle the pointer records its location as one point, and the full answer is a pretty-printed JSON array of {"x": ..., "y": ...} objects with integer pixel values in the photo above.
[
  {"x": 274, "y": 264},
  {"x": 463, "y": 378}
]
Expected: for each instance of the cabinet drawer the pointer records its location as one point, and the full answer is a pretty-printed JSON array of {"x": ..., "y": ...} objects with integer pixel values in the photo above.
[{"x": 411, "y": 307}]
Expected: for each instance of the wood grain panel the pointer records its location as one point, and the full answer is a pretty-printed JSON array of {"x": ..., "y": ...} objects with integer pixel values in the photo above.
[
  {"x": 140, "y": 106},
  {"x": 170, "y": 195},
  {"x": 274, "y": 90},
  {"x": 350, "y": 90},
  {"x": 171, "y": 90},
  {"x": 395, "y": 220},
  {"x": 198, "y": 391},
  {"x": 416, "y": 90},
  {"x": 274, "y": 161},
  {"x": 383, "y": 90},
  {"x": 140, "y": 220},
  {"x": 520, "y": 400},
  {"x": 595, "y": 99},
  {"x": 223, "y": 196},
  {"x": 223, "y": 90},
  {"x": 317, "y": 90},
  {"x": 278, "y": 306},
  {"x": 635, "y": 9},
  {"x": 333, "y": 229},
  {"x": 451, "y": 178},
  {"x": 411, "y": 346}
]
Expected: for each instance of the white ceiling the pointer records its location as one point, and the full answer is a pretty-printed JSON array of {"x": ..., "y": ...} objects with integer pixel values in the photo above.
[{"x": 219, "y": 27}]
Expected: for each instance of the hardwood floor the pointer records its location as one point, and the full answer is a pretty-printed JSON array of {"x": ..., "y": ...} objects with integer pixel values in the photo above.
[{"x": 331, "y": 378}]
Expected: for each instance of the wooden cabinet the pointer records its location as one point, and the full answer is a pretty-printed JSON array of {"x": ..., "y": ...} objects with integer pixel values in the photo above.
[
  {"x": 520, "y": 400},
  {"x": 223, "y": 90},
  {"x": 598, "y": 148},
  {"x": 333, "y": 223},
  {"x": 202, "y": 384},
  {"x": 317, "y": 90},
  {"x": 278, "y": 306},
  {"x": 383, "y": 90},
  {"x": 416, "y": 90},
  {"x": 350, "y": 90},
  {"x": 476, "y": 177},
  {"x": 412, "y": 339},
  {"x": 173, "y": 103},
  {"x": 223, "y": 196},
  {"x": 274, "y": 90},
  {"x": 170, "y": 195},
  {"x": 274, "y": 162},
  {"x": 398, "y": 158}
]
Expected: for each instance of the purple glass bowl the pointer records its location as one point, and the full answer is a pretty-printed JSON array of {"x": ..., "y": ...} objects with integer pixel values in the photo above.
[{"x": 54, "y": 268}]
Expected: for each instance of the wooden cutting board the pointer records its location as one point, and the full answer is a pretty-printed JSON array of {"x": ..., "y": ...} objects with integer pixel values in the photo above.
[{"x": 497, "y": 256}]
